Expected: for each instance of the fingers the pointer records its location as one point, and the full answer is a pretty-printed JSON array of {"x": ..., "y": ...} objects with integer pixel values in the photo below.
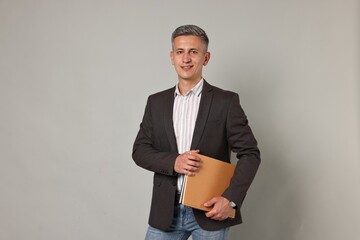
[
  {"x": 218, "y": 214},
  {"x": 190, "y": 163},
  {"x": 221, "y": 208},
  {"x": 215, "y": 215},
  {"x": 194, "y": 151},
  {"x": 190, "y": 156},
  {"x": 187, "y": 163},
  {"x": 210, "y": 202}
]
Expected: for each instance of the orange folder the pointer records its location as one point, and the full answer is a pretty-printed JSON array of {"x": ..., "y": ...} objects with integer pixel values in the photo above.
[{"x": 210, "y": 181}]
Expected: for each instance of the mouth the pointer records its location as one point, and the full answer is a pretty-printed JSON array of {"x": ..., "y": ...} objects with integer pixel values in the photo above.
[{"x": 187, "y": 67}]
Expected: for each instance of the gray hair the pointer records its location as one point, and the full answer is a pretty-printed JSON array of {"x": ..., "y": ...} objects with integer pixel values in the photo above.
[{"x": 190, "y": 30}]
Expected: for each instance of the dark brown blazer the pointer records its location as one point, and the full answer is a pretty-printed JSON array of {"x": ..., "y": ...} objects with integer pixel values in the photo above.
[{"x": 221, "y": 127}]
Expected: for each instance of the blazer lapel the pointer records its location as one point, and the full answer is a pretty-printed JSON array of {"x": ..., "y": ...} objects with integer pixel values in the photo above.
[
  {"x": 168, "y": 119},
  {"x": 203, "y": 113}
]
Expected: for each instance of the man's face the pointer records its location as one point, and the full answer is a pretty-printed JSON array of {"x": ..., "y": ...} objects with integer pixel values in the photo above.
[{"x": 188, "y": 57}]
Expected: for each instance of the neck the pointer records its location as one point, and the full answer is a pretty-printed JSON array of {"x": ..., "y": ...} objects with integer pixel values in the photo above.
[{"x": 185, "y": 86}]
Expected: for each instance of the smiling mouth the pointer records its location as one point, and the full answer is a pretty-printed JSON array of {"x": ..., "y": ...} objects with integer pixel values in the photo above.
[{"x": 186, "y": 67}]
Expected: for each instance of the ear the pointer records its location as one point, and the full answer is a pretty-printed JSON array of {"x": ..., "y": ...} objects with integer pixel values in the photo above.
[
  {"x": 172, "y": 57},
  {"x": 207, "y": 58}
]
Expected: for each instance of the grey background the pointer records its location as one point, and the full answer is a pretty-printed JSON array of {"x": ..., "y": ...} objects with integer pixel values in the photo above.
[{"x": 74, "y": 78}]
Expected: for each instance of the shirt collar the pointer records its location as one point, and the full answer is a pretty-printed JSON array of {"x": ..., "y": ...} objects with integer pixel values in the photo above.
[{"x": 196, "y": 90}]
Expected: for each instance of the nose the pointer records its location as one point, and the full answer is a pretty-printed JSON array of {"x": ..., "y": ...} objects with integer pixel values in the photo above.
[{"x": 186, "y": 58}]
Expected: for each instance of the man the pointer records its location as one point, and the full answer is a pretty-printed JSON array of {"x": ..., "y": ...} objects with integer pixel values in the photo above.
[{"x": 192, "y": 117}]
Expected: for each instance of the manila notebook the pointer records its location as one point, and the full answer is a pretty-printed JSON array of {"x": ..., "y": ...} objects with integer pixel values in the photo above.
[{"x": 210, "y": 181}]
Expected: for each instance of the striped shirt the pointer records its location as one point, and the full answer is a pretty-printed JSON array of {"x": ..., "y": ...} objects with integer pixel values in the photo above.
[{"x": 185, "y": 112}]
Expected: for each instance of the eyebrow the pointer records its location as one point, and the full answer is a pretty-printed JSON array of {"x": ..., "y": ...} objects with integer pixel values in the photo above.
[{"x": 191, "y": 49}]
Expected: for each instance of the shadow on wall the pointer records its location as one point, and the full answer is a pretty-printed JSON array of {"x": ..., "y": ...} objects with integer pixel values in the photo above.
[{"x": 272, "y": 208}]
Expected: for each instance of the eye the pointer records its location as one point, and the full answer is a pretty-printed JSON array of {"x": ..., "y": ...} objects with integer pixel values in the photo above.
[
  {"x": 193, "y": 52},
  {"x": 178, "y": 52}
]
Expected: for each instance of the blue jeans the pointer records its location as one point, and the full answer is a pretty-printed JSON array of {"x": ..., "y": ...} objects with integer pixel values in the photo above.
[{"x": 184, "y": 225}]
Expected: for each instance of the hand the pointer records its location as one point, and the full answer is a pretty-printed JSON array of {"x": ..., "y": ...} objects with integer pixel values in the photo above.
[
  {"x": 187, "y": 163},
  {"x": 221, "y": 208}
]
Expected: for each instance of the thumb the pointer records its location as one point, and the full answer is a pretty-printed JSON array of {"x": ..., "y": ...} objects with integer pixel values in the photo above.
[{"x": 210, "y": 202}]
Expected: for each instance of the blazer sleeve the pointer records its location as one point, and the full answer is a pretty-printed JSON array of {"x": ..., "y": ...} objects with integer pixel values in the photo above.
[
  {"x": 242, "y": 142},
  {"x": 147, "y": 152}
]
